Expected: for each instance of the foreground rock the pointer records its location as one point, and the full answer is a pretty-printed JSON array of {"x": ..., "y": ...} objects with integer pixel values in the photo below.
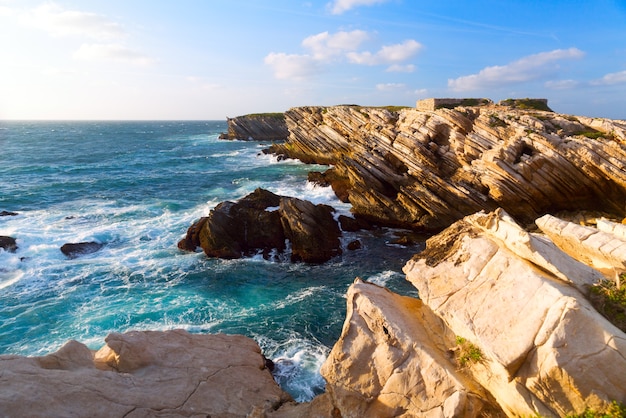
[
  {"x": 521, "y": 300},
  {"x": 428, "y": 169},
  {"x": 77, "y": 249},
  {"x": 142, "y": 374},
  {"x": 258, "y": 127},
  {"x": 262, "y": 222}
]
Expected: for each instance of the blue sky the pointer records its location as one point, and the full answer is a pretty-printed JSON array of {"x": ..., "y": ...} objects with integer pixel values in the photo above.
[{"x": 193, "y": 59}]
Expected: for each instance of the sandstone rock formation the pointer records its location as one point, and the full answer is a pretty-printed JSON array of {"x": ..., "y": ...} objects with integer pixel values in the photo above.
[
  {"x": 263, "y": 221},
  {"x": 142, "y": 374},
  {"x": 427, "y": 169},
  {"x": 76, "y": 249},
  {"x": 521, "y": 300},
  {"x": 258, "y": 127}
]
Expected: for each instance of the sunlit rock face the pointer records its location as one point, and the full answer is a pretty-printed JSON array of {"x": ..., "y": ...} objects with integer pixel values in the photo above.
[{"x": 428, "y": 169}]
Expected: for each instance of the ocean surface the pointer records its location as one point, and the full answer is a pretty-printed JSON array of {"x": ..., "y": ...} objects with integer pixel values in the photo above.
[{"x": 136, "y": 187}]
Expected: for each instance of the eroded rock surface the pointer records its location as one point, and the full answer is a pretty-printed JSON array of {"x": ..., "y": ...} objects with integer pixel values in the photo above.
[
  {"x": 521, "y": 300},
  {"x": 142, "y": 374},
  {"x": 263, "y": 222},
  {"x": 427, "y": 169},
  {"x": 258, "y": 127}
]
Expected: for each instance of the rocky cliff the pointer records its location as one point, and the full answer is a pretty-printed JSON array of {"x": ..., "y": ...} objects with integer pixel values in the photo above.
[
  {"x": 258, "y": 127},
  {"x": 428, "y": 169},
  {"x": 503, "y": 327}
]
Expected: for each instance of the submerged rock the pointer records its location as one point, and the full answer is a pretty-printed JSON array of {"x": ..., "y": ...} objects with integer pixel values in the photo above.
[
  {"x": 74, "y": 250},
  {"x": 8, "y": 244},
  {"x": 7, "y": 213},
  {"x": 140, "y": 374}
]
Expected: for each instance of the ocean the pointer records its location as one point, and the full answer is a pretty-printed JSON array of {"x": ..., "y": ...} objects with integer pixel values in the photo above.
[{"x": 136, "y": 187}]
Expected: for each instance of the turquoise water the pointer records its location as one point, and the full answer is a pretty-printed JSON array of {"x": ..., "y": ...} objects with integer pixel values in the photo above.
[{"x": 137, "y": 187}]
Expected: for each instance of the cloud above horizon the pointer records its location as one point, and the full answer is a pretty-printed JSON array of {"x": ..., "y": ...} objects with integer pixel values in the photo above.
[
  {"x": 111, "y": 52},
  {"x": 324, "y": 48},
  {"x": 611, "y": 79},
  {"x": 57, "y": 22},
  {"x": 529, "y": 68},
  {"x": 338, "y": 7}
]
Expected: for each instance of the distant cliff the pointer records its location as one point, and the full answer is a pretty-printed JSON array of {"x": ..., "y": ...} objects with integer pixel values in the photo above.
[
  {"x": 428, "y": 169},
  {"x": 258, "y": 127}
]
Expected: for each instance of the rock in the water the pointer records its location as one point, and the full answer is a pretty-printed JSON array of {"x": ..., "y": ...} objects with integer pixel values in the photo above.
[
  {"x": 141, "y": 374},
  {"x": 74, "y": 250},
  {"x": 258, "y": 127},
  {"x": 262, "y": 222},
  {"x": 311, "y": 229},
  {"x": 8, "y": 243},
  {"x": 7, "y": 213},
  {"x": 521, "y": 301}
]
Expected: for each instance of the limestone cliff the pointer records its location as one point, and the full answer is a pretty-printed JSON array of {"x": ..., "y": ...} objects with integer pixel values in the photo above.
[
  {"x": 428, "y": 169},
  {"x": 503, "y": 328},
  {"x": 258, "y": 127}
]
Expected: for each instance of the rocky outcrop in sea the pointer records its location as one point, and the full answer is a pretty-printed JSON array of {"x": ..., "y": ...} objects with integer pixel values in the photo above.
[{"x": 257, "y": 127}]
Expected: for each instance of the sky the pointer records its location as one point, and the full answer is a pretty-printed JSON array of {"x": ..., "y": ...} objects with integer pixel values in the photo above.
[{"x": 213, "y": 59}]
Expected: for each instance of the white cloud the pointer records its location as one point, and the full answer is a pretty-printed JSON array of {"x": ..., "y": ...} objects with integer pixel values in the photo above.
[
  {"x": 203, "y": 84},
  {"x": 611, "y": 78},
  {"x": 561, "y": 84},
  {"x": 111, "y": 52},
  {"x": 399, "y": 68},
  {"x": 390, "y": 86},
  {"x": 324, "y": 46},
  {"x": 529, "y": 68},
  {"x": 291, "y": 66},
  {"x": 338, "y": 7},
  {"x": 388, "y": 54},
  {"x": 60, "y": 22}
]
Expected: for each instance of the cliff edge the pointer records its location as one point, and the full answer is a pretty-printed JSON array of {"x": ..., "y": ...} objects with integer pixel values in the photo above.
[
  {"x": 427, "y": 169},
  {"x": 257, "y": 127}
]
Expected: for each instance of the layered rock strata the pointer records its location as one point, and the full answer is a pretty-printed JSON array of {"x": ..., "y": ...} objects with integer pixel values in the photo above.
[
  {"x": 142, "y": 374},
  {"x": 428, "y": 169},
  {"x": 258, "y": 127}
]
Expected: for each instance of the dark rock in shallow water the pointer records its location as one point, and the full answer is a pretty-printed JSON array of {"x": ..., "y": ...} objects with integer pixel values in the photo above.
[
  {"x": 74, "y": 250},
  {"x": 8, "y": 244},
  {"x": 355, "y": 245},
  {"x": 262, "y": 222},
  {"x": 7, "y": 213}
]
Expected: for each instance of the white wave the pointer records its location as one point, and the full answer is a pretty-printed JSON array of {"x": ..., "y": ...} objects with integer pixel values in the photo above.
[{"x": 383, "y": 278}]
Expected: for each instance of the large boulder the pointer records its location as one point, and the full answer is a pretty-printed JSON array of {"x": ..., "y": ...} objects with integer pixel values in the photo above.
[
  {"x": 522, "y": 301},
  {"x": 392, "y": 360},
  {"x": 142, "y": 374},
  {"x": 312, "y": 230},
  {"x": 262, "y": 222}
]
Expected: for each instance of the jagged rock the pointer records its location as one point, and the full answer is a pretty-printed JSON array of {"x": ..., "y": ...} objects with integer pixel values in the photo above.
[
  {"x": 312, "y": 230},
  {"x": 606, "y": 251},
  {"x": 262, "y": 221},
  {"x": 74, "y": 250},
  {"x": 391, "y": 361},
  {"x": 257, "y": 127},
  {"x": 141, "y": 374},
  {"x": 8, "y": 244},
  {"x": 427, "y": 169},
  {"x": 515, "y": 295},
  {"x": 192, "y": 238}
]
